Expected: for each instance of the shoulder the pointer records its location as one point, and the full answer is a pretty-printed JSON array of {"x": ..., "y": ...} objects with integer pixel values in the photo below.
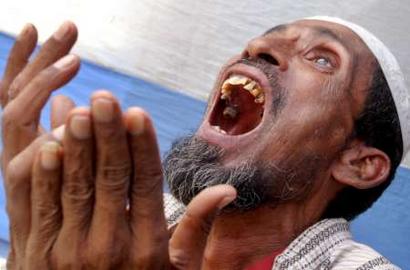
[
  {"x": 353, "y": 255},
  {"x": 328, "y": 244}
]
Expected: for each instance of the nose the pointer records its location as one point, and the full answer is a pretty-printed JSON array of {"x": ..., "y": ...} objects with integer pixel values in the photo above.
[{"x": 268, "y": 50}]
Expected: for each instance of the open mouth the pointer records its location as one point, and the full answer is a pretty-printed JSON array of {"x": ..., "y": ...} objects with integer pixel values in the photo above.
[{"x": 239, "y": 107}]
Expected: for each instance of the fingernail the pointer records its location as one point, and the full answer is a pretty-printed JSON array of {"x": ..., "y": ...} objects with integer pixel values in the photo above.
[
  {"x": 102, "y": 110},
  {"x": 136, "y": 121},
  {"x": 65, "y": 61},
  {"x": 49, "y": 156},
  {"x": 225, "y": 201},
  {"x": 58, "y": 133},
  {"x": 80, "y": 127},
  {"x": 62, "y": 31}
]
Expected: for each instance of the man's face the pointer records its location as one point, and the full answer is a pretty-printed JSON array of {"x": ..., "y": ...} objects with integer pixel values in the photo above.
[{"x": 282, "y": 110}]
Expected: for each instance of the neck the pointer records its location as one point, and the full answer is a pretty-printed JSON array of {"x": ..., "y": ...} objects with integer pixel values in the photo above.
[{"x": 239, "y": 239}]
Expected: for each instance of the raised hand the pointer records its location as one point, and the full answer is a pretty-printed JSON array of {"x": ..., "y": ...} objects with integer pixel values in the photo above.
[
  {"x": 24, "y": 89},
  {"x": 97, "y": 198}
]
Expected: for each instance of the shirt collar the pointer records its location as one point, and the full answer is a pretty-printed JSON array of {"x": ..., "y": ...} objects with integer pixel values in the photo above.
[{"x": 313, "y": 248}]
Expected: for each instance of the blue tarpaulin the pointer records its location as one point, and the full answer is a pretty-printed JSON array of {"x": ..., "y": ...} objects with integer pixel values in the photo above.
[{"x": 384, "y": 227}]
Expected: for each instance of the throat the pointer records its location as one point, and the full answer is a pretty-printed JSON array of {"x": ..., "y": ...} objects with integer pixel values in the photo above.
[{"x": 239, "y": 240}]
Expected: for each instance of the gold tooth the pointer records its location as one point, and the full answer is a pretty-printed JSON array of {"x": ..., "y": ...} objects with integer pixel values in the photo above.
[
  {"x": 225, "y": 85},
  {"x": 250, "y": 85},
  {"x": 256, "y": 92},
  {"x": 226, "y": 92},
  {"x": 260, "y": 99},
  {"x": 237, "y": 80}
]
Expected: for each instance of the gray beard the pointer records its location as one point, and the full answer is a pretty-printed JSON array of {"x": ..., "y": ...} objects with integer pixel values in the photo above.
[{"x": 193, "y": 165}]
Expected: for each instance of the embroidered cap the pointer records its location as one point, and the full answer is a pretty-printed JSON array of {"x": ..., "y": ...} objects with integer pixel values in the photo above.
[{"x": 391, "y": 70}]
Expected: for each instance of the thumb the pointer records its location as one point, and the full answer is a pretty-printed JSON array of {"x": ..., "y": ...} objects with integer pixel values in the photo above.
[{"x": 188, "y": 242}]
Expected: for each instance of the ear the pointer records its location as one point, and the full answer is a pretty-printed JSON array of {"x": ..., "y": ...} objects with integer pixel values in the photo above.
[{"x": 361, "y": 166}]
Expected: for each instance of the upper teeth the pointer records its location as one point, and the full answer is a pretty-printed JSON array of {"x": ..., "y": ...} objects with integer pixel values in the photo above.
[{"x": 247, "y": 84}]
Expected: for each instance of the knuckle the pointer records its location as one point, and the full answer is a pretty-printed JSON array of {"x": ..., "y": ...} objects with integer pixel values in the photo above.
[
  {"x": 64, "y": 262},
  {"x": 151, "y": 184},
  {"x": 204, "y": 225},
  {"x": 14, "y": 179},
  {"x": 148, "y": 258},
  {"x": 31, "y": 255},
  {"x": 77, "y": 191},
  {"x": 152, "y": 172},
  {"x": 179, "y": 258},
  {"x": 116, "y": 171},
  {"x": 99, "y": 258},
  {"x": 114, "y": 177},
  {"x": 48, "y": 214},
  {"x": 15, "y": 87},
  {"x": 13, "y": 119},
  {"x": 60, "y": 260},
  {"x": 78, "y": 181},
  {"x": 8, "y": 115}
]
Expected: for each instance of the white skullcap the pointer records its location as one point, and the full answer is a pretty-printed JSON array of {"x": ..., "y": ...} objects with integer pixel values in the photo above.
[{"x": 391, "y": 71}]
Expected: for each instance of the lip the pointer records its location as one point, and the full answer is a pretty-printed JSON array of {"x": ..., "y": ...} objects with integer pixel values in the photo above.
[{"x": 226, "y": 141}]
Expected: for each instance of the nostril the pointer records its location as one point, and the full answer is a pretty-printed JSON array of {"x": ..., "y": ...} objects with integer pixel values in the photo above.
[{"x": 268, "y": 58}]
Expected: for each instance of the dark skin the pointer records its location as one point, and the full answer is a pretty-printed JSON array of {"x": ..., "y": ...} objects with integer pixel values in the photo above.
[{"x": 325, "y": 69}]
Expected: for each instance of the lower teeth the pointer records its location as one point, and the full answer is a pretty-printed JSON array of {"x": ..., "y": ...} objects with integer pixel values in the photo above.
[{"x": 218, "y": 128}]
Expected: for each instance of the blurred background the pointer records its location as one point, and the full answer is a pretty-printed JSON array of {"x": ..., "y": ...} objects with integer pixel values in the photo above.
[{"x": 164, "y": 55}]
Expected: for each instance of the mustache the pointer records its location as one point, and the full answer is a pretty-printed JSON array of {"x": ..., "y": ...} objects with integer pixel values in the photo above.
[
  {"x": 267, "y": 68},
  {"x": 279, "y": 96}
]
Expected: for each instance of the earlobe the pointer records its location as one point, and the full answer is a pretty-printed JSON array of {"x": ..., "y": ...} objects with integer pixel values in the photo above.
[{"x": 361, "y": 167}]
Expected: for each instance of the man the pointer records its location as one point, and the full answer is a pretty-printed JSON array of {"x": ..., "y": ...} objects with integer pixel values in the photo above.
[{"x": 308, "y": 124}]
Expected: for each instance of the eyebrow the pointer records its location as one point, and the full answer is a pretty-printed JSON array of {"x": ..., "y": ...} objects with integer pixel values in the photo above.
[
  {"x": 327, "y": 33},
  {"x": 277, "y": 28},
  {"x": 319, "y": 31}
]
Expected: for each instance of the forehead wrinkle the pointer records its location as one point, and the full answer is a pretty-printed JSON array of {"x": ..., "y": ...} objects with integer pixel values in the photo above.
[{"x": 324, "y": 32}]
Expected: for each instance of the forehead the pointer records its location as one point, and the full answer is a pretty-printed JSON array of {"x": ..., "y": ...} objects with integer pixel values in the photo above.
[{"x": 312, "y": 29}]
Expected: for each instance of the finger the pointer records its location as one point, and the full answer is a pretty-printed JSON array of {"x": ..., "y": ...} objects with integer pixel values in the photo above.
[
  {"x": 60, "y": 107},
  {"x": 20, "y": 117},
  {"x": 20, "y": 166},
  {"x": 113, "y": 169},
  {"x": 45, "y": 207},
  {"x": 18, "y": 59},
  {"x": 189, "y": 239},
  {"x": 58, "y": 45},
  {"x": 18, "y": 186},
  {"x": 147, "y": 220},
  {"x": 78, "y": 183}
]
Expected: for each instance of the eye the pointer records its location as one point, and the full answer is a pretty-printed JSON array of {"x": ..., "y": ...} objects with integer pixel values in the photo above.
[
  {"x": 323, "y": 59},
  {"x": 323, "y": 62}
]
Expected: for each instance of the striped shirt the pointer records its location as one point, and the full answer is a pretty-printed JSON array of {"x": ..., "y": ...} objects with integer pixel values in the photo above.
[{"x": 327, "y": 244}]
